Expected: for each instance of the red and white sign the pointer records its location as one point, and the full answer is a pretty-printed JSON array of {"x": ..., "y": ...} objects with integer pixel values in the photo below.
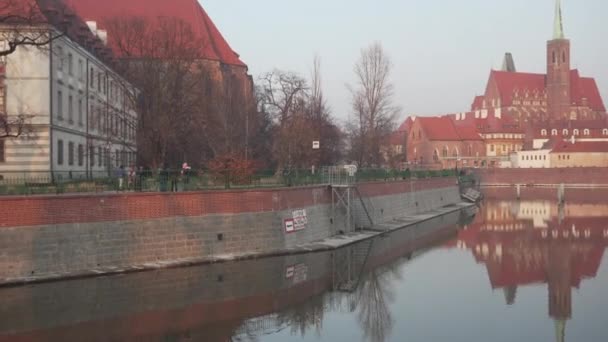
[
  {"x": 300, "y": 220},
  {"x": 289, "y": 226},
  {"x": 299, "y": 273}
]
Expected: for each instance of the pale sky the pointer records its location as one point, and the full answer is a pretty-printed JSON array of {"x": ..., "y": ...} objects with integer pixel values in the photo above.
[{"x": 442, "y": 50}]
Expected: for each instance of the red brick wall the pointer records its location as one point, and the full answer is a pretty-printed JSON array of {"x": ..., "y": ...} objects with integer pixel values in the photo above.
[
  {"x": 590, "y": 176},
  {"x": 44, "y": 210}
]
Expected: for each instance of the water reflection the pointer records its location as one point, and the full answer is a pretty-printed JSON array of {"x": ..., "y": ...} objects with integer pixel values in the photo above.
[
  {"x": 519, "y": 243},
  {"x": 539, "y": 242}
]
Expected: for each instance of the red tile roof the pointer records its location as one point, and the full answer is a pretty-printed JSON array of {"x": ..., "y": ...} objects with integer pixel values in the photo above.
[
  {"x": 580, "y": 87},
  {"x": 477, "y": 102},
  {"x": 508, "y": 82},
  {"x": 215, "y": 46},
  {"x": 443, "y": 129},
  {"x": 581, "y": 147}
]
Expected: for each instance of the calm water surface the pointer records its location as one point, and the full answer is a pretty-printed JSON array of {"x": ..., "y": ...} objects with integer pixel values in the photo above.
[{"x": 526, "y": 270}]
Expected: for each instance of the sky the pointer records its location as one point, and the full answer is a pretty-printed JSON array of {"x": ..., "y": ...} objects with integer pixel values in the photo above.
[{"x": 442, "y": 51}]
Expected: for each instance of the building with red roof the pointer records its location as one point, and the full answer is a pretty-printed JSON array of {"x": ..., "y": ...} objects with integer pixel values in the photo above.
[
  {"x": 521, "y": 110},
  {"x": 437, "y": 142}
]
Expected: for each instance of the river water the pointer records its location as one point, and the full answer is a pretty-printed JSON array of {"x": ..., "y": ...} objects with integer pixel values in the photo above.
[{"x": 519, "y": 270}]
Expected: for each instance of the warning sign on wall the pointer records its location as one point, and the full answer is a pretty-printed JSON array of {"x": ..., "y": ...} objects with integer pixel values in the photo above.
[
  {"x": 289, "y": 228},
  {"x": 300, "y": 220}
]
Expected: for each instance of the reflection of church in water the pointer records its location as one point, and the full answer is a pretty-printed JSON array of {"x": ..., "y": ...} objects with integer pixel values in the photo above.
[{"x": 527, "y": 243}]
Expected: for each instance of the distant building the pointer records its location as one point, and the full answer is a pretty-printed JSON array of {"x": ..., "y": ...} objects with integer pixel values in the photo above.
[
  {"x": 523, "y": 111},
  {"x": 80, "y": 113},
  {"x": 437, "y": 142}
]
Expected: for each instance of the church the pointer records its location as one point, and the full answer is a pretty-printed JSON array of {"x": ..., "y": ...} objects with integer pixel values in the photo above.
[{"x": 518, "y": 111}]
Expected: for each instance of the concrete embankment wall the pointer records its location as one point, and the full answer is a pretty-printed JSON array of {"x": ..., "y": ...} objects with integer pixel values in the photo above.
[
  {"x": 60, "y": 236},
  {"x": 198, "y": 301},
  {"x": 544, "y": 177}
]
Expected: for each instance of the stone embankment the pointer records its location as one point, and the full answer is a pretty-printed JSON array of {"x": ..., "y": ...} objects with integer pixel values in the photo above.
[{"x": 55, "y": 237}]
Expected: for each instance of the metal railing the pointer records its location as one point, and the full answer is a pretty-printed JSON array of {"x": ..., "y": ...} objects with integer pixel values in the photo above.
[{"x": 59, "y": 182}]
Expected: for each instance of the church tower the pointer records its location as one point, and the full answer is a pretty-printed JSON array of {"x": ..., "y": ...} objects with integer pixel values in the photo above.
[{"x": 558, "y": 71}]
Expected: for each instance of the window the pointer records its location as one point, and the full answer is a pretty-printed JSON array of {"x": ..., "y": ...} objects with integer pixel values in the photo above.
[
  {"x": 92, "y": 78},
  {"x": 60, "y": 58},
  {"x": 80, "y": 155},
  {"x": 59, "y": 152},
  {"x": 2, "y": 157},
  {"x": 92, "y": 155},
  {"x": 60, "y": 105},
  {"x": 70, "y": 153},
  {"x": 563, "y": 57},
  {"x": 554, "y": 58},
  {"x": 92, "y": 120},
  {"x": 99, "y": 154},
  {"x": 99, "y": 82},
  {"x": 491, "y": 148},
  {"x": 576, "y": 132},
  {"x": 444, "y": 153},
  {"x": 586, "y": 132},
  {"x": 543, "y": 132},
  {"x": 80, "y": 69},
  {"x": 435, "y": 156},
  {"x": 70, "y": 109},
  {"x": 80, "y": 116},
  {"x": 70, "y": 64},
  {"x": 554, "y": 132},
  {"x": 565, "y": 132}
]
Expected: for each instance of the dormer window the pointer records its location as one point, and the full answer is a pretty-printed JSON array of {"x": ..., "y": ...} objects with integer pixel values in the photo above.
[
  {"x": 587, "y": 132},
  {"x": 605, "y": 131},
  {"x": 576, "y": 132},
  {"x": 554, "y": 132},
  {"x": 565, "y": 132}
]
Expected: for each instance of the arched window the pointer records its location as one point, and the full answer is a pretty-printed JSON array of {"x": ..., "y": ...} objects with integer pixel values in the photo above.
[
  {"x": 605, "y": 131},
  {"x": 554, "y": 132},
  {"x": 455, "y": 153},
  {"x": 554, "y": 58},
  {"x": 565, "y": 132},
  {"x": 587, "y": 132},
  {"x": 435, "y": 156},
  {"x": 563, "y": 56},
  {"x": 576, "y": 132},
  {"x": 445, "y": 152},
  {"x": 470, "y": 150},
  {"x": 543, "y": 132}
]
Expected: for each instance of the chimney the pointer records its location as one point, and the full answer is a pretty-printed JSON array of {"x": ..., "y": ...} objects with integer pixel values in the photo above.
[{"x": 103, "y": 35}]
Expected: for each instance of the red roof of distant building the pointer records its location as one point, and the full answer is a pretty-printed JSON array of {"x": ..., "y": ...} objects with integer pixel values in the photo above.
[
  {"x": 215, "y": 46},
  {"x": 443, "y": 129},
  {"x": 581, "y": 147},
  {"x": 477, "y": 102},
  {"x": 580, "y": 87},
  {"x": 508, "y": 82}
]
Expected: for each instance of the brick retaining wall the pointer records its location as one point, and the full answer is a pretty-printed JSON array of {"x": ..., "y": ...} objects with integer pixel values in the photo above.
[
  {"x": 579, "y": 176},
  {"x": 47, "y": 237}
]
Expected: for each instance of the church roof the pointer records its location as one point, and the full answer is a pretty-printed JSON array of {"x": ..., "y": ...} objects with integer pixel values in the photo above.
[
  {"x": 215, "y": 47},
  {"x": 580, "y": 87}
]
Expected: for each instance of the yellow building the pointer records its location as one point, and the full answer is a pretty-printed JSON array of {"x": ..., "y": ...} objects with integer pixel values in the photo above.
[{"x": 580, "y": 154}]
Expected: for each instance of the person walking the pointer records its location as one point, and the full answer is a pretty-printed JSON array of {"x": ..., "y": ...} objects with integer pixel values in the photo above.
[{"x": 120, "y": 176}]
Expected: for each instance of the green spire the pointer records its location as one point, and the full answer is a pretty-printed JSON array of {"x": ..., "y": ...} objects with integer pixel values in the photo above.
[
  {"x": 558, "y": 26},
  {"x": 560, "y": 329}
]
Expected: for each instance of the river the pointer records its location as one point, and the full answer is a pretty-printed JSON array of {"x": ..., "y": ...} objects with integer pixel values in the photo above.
[{"x": 519, "y": 270}]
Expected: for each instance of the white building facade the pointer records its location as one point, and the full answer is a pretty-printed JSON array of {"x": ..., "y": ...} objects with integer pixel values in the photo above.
[{"x": 80, "y": 114}]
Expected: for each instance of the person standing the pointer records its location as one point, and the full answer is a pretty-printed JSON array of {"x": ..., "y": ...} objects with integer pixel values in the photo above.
[{"x": 120, "y": 175}]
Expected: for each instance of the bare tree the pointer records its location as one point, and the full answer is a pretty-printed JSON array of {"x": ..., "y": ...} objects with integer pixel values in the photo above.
[
  {"x": 374, "y": 113},
  {"x": 301, "y": 116}
]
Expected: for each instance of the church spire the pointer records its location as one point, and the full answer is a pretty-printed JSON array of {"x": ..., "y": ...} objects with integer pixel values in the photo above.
[{"x": 558, "y": 26}]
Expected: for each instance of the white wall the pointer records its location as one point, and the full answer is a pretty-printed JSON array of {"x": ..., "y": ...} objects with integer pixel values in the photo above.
[{"x": 533, "y": 159}]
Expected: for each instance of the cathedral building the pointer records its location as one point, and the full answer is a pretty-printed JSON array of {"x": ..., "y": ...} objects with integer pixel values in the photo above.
[{"x": 524, "y": 111}]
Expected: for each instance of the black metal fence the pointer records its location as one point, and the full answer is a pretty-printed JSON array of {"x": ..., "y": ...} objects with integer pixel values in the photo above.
[{"x": 58, "y": 182}]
